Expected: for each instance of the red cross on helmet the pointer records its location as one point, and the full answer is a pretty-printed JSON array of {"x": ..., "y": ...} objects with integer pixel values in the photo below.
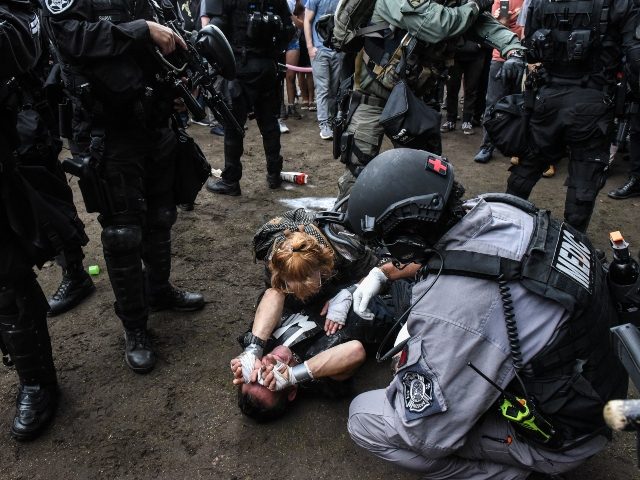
[{"x": 398, "y": 185}]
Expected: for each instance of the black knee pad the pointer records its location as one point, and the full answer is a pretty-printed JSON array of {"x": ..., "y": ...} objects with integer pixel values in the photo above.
[
  {"x": 7, "y": 301},
  {"x": 121, "y": 238},
  {"x": 162, "y": 218}
]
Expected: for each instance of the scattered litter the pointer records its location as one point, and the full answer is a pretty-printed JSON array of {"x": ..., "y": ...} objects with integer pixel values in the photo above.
[
  {"x": 216, "y": 172},
  {"x": 309, "y": 203},
  {"x": 300, "y": 178},
  {"x": 94, "y": 270}
]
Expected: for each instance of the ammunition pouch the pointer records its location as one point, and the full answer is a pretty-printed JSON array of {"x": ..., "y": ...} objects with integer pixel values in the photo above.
[
  {"x": 346, "y": 148},
  {"x": 65, "y": 115}
]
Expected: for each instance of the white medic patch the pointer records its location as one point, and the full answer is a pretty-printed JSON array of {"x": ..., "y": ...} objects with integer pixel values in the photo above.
[
  {"x": 418, "y": 392},
  {"x": 573, "y": 258},
  {"x": 58, "y": 6}
]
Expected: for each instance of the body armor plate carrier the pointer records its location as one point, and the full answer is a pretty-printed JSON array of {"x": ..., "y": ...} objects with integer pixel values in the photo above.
[{"x": 573, "y": 376}]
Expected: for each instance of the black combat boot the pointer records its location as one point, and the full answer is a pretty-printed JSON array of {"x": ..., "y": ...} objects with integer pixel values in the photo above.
[
  {"x": 157, "y": 260},
  {"x": 138, "y": 351},
  {"x": 75, "y": 286},
  {"x": 23, "y": 328},
  {"x": 222, "y": 187},
  {"x": 274, "y": 180},
  {"x": 123, "y": 258},
  {"x": 35, "y": 407},
  {"x": 628, "y": 190}
]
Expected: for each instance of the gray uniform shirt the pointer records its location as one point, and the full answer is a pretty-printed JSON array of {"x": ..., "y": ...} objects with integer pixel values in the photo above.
[{"x": 437, "y": 397}]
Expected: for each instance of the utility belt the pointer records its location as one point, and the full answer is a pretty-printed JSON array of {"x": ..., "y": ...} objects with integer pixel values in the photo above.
[{"x": 586, "y": 81}]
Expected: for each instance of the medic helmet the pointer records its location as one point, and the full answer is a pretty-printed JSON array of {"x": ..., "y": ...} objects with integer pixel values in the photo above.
[{"x": 397, "y": 186}]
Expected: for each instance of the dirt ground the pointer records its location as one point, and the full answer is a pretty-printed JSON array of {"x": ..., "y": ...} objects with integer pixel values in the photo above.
[{"x": 181, "y": 421}]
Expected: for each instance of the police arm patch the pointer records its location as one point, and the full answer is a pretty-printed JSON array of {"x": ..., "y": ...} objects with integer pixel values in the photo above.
[
  {"x": 58, "y": 6},
  {"x": 419, "y": 395}
]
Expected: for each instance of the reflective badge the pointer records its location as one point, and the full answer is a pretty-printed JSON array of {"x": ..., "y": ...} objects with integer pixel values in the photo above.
[
  {"x": 58, "y": 6},
  {"x": 35, "y": 25},
  {"x": 418, "y": 392},
  {"x": 573, "y": 258}
]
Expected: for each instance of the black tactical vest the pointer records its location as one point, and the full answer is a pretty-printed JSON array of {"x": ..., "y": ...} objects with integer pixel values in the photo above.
[
  {"x": 115, "y": 86},
  {"x": 571, "y": 37},
  {"x": 243, "y": 40},
  {"x": 573, "y": 376}
]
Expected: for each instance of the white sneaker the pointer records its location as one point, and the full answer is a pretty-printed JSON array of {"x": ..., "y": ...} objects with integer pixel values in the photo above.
[
  {"x": 283, "y": 126},
  {"x": 326, "y": 132},
  {"x": 467, "y": 128}
]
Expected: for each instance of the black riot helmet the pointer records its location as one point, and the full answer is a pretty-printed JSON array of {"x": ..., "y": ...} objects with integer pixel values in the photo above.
[
  {"x": 214, "y": 46},
  {"x": 399, "y": 200}
]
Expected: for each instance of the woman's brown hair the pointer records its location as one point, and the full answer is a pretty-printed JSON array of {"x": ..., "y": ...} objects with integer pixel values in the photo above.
[{"x": 296, "y": 262}]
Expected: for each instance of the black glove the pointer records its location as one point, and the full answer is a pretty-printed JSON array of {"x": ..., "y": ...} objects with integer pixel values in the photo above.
[
  {"x": 512, "y": 70},
  {"x": 484, "y": 5}
]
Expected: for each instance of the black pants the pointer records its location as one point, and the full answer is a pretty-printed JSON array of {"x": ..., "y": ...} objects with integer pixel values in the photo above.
[
  {"x": 138, "y": 166},
  {"x": 23, "y": 313},
  {"x": 634, "y": 145},
  {"x": 580, "y": 119},
  {"x": 255, "y": 89},
  {"x": 471, "y": 69}
]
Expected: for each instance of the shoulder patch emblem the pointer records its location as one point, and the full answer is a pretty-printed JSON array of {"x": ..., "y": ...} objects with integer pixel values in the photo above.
[
  {"x": 58, "y": 6},
  {"x": 418, "y": 392},
  {"x": 416, "y": 3}
]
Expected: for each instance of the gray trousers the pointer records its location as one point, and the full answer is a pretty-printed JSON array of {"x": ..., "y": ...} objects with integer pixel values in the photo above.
[
  {"x": 326, "y": 68},
  {"x": 484, "y": 455}
]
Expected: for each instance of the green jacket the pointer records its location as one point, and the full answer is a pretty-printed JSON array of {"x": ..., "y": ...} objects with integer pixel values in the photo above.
[{"x": 435, "y": 24}]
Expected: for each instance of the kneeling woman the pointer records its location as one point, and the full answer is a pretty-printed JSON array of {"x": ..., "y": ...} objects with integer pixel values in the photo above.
[{"x": 304, "y": 318}]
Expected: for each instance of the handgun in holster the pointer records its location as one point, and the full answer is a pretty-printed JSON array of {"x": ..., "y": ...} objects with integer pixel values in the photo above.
[{"x": 86, "y": 168}]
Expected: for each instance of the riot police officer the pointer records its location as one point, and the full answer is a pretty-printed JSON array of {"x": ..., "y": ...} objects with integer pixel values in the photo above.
[
  {"x": 32, "y": 228},
  {"x": 109, "y": 60},
  {"x": 580, "y": 46},
  {"x": 421, "y": 37},
  {"x": 258, "y": 32}
]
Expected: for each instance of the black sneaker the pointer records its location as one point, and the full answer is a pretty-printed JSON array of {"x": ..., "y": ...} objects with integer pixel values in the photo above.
[
  {"x": 484, "y": 155},
  {"x": 273, "y": 180},
  {"x": 35, "y": 407},
  {"x": 223, "y": 187},
  {"x": 73, "y": 288},
  {"x": 172, "y": 298},
  {"x": 138, "y": 351},
  {"x": 628, "y": 190}
]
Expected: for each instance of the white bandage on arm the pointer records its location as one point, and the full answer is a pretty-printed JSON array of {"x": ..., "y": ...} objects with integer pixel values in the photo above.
[
  {"x": 248, "y": 363},
  {"x": 297, "y": 374},
  {"x": 339, "y": 306}
]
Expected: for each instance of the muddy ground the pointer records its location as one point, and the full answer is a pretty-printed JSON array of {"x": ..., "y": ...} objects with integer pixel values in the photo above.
[{"x": 181, "y": 421}]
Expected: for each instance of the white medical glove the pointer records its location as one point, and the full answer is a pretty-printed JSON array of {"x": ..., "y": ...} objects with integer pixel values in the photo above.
[{"x": 370, "y": 286}]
